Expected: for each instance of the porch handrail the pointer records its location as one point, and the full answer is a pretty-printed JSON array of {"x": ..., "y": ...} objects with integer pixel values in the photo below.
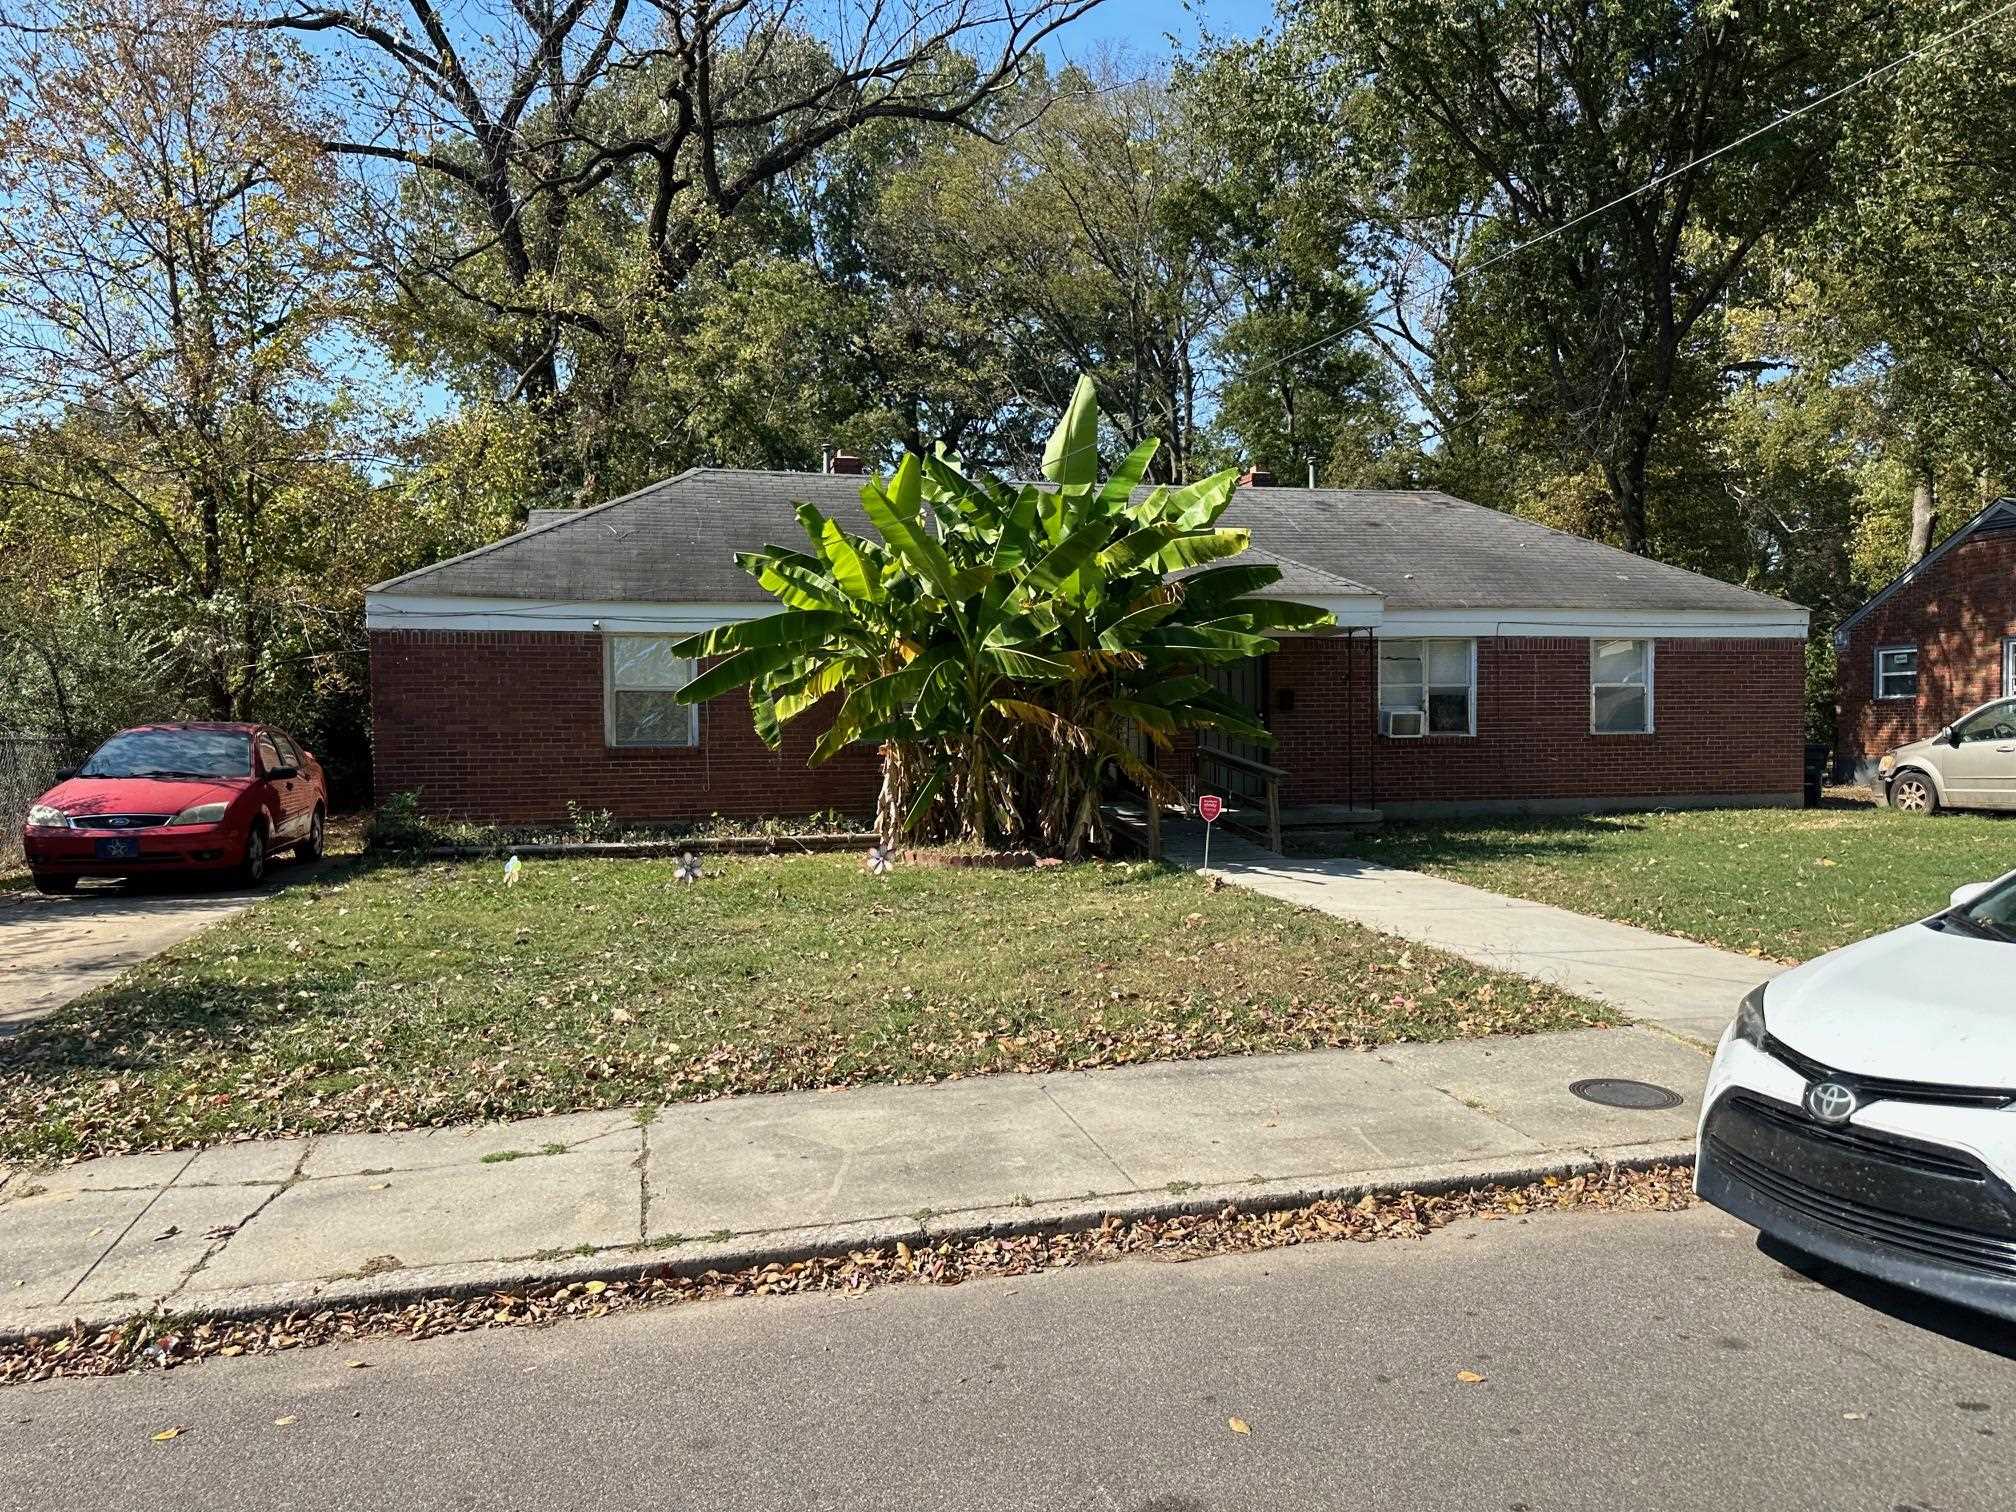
[
  {"x": 1272, "y": 776},
  {"x": 1241, "y": 763}
]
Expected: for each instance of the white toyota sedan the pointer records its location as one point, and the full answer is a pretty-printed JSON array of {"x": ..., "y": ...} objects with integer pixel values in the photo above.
[{"x": 1863, "y": 1106}]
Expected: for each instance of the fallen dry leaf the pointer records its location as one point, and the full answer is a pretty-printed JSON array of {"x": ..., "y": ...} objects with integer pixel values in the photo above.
[
  {"x": 1237, "y": 1425},
  {"x": 1469, "y": 1377},
  {"x": 140, "y": 1344},
  {"x": 168, "y": 1433},
  {"x": 287, "y": 1421},
  {"x": 357, "y": 1364}
]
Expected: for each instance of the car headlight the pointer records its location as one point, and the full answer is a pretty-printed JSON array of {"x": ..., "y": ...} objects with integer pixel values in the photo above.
[
  {"x": 1750, "y": 1018},
  {"x": 202, "y": 813},
  {"x": 1886, "y": 766},
  {"x": 43, "y": 816}
]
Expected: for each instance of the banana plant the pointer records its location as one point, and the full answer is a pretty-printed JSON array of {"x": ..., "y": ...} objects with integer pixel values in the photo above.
[{"x": 1006, "y": 644}]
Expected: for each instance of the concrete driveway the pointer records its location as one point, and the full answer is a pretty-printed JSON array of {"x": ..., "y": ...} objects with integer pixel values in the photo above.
[{"x": 56, "y": 949}]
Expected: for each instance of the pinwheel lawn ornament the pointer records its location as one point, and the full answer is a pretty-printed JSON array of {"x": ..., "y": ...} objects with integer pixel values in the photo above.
[
  {"x": 689, "y": 868},
  {"x": 880, "y": 859},
  {"x": 511, "y": 870}
]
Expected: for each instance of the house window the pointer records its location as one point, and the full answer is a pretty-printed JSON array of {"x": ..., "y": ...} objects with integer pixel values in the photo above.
[
  {"x": 1427, "y": 687},
  {"x": 1620, "y": 687},
  {"x": 1896, "y": 671},
  {"x": 642, "y": 679}
]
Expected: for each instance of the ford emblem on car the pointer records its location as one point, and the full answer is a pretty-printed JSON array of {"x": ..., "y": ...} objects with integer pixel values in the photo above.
[{"x": 1830, "y": 1102}]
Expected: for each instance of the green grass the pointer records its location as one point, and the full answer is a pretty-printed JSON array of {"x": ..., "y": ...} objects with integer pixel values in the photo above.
[
  {"x": 390, "y": 996},
  {"x": 1784, "y": 883}
]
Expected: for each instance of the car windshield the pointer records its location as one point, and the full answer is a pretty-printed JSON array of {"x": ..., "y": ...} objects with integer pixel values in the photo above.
[
  {"x": 172, "y": 753},
  {"x": 1993, "y": 913}
]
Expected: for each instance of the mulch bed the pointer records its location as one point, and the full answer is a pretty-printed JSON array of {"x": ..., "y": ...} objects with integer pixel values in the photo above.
[{"x": 152, "y": 1343}]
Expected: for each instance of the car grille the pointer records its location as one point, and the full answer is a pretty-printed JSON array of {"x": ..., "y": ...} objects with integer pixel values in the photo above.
[
  {"x": 1936, "y": 1204},
  {"x": 1889, "y": 1088},
  {"x": 119, "y": 821}
]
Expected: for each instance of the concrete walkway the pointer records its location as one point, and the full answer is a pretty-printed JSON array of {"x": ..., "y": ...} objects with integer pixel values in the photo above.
[
  {"x": 1688, "y": 989},
  {"x": 55, "y": 949},
  {"x": 356, "y": 1217}
]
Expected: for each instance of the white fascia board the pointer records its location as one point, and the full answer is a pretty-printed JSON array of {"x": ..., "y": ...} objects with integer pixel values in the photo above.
[
  {"x": 1670, "y": 624},
  {"x": 401, "y": 611},
  {"x": 1353, "y": 611},
  {"x": 405, "y": 611}
]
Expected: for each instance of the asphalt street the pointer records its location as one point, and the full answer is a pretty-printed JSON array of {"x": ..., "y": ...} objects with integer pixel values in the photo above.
[{"x": 1633, "y": 1361}]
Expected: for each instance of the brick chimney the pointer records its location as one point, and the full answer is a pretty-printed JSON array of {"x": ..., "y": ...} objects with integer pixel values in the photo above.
[
  {"x": 1256, "y": 476},
  {"x": 846, "y": 462}
]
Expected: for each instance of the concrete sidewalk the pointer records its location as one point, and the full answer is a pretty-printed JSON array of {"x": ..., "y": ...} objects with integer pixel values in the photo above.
[
  {"x": 1687, "y": 989},
  {"x": 356, "y": 1217}
]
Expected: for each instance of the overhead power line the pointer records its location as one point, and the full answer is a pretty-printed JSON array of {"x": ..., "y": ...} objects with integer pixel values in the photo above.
[{"x": 1650, "y": 184}]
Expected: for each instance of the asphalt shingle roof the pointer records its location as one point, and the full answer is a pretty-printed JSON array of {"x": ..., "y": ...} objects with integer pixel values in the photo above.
[{"x": 676, "y": 541}]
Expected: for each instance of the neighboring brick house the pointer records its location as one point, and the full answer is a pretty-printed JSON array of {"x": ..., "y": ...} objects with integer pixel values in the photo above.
[
  {"x": 1938, "y": 641},
  {"x": 1481, "y": 662}
]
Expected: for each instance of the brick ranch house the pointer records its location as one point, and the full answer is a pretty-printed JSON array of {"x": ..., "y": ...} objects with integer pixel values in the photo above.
[
  {"x": 1481, "y": 663},
  {"x": 1939, "y": 640}
]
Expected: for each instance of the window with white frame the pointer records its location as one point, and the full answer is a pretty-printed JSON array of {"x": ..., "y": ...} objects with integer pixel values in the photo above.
[
  {"x": 1896, "y": 671},
  {"x": 1427, "y": 687},
  {"x": 641, "y": 683},
  {"x": 1620, "y": 687}
]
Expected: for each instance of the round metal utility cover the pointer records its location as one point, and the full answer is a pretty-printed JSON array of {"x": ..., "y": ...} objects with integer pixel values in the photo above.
[{"x": 1615, "y": 1092}]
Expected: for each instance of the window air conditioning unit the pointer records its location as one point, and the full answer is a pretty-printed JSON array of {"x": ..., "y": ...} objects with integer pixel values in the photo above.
[{"x": 1406, "y": 724}]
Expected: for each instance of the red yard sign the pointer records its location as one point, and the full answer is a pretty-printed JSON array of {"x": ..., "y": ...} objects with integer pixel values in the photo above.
[{"x": 1209, "y": 807}]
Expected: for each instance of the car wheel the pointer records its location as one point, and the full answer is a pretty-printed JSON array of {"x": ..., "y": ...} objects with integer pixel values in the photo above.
[
  {"x": 54, "y": 886},
  {"x": 311, "y": 848},
  {"x": 1913, "y": 793},
  {"x": 252, "y": 870}
]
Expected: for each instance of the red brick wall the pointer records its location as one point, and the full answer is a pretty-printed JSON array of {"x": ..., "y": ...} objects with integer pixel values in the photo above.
[
  {"x": 1957, "y": 613},
  {"x": 506, "y": 726},
  {"x": 1727, "y": 717}
]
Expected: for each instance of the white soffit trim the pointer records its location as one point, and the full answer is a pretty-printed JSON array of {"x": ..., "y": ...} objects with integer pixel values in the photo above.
[
  {"x": 403, "y": 611},
  {"x": 400, "y": 611},
  {"x": 1672, "y": 624},
  {"x": 1354, "y": 612}
]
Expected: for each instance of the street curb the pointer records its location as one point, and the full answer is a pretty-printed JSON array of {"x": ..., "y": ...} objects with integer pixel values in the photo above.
[{"x": 787, "y": 1246}]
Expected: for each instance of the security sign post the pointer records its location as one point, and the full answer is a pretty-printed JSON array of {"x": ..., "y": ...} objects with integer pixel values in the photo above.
[{"x": 1209, "y": 807}]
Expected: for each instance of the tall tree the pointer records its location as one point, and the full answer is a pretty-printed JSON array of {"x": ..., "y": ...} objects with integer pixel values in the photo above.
[
  {"x": 169, "y": 332},
  {"x": 1480, "y": 126},
  {"x": 519, "y": 135}
]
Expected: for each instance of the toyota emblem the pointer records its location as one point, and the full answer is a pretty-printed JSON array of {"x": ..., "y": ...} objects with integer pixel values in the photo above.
[{"x": 1830, "y": 1102}]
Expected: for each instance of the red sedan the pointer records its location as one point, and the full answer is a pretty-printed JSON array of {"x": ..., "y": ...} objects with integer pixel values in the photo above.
[{"x": 178, "y": 798}]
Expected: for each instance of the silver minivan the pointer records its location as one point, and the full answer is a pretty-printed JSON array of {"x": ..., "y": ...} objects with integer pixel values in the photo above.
[{"x": 1970, "y": 764}]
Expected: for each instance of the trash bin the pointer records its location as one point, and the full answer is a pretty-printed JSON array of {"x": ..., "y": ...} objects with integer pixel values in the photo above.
[{"x": 1817, "y": 759}]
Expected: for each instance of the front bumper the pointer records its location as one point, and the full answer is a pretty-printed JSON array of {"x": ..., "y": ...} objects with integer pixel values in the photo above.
[
  {"x": 1913, "y": 1194},
  {"x": 189, "y": 847}
]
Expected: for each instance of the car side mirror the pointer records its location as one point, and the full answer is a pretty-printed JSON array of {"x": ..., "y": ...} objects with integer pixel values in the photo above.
[
  {"x": 1951, "y": 735},
  {"x": 64, "y": 774},
  {"x": 1967, "y": 892},
  {"x": 282, "y": 773}
]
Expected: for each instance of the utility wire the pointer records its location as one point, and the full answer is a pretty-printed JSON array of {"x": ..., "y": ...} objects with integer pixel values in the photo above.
[{"x": 1647, "y": 187}]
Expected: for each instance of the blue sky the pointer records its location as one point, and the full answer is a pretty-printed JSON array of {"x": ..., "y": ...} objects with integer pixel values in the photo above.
[{"x": 1145, "y": 24}]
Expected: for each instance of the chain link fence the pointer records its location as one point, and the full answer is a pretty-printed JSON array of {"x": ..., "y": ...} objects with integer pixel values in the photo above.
[{"x": 28, "y": 767}]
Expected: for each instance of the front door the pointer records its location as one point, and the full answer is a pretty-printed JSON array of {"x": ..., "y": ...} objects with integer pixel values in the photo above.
[{"x": 1980, "y": 769}]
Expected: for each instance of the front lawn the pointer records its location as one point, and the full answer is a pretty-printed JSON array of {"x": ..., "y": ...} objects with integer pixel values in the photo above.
[
  {"x": 389, "y": 996},
  {"x": 1784, "y": 883}
]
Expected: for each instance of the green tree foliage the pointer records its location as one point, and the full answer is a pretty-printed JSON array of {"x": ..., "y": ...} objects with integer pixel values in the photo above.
[{"x": 1000, "y": 642}]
